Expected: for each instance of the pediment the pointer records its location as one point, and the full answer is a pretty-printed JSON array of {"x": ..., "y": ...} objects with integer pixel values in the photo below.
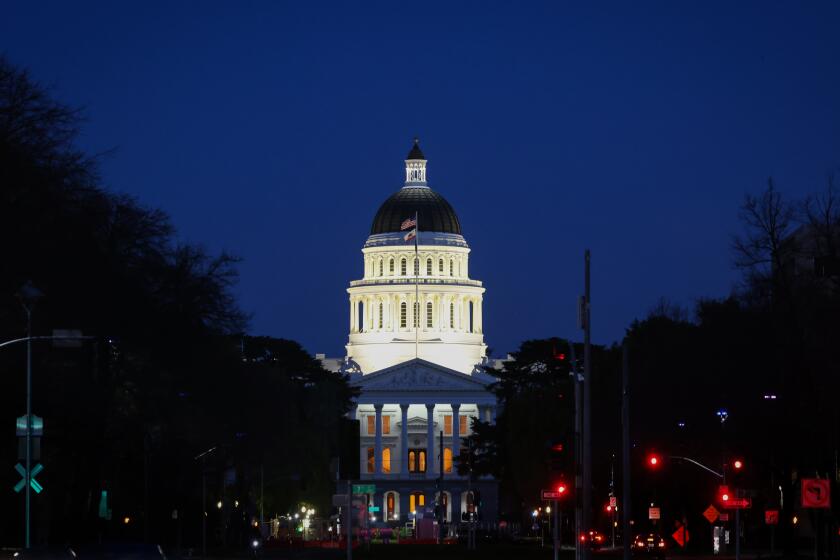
[{"x": 419, "y": 375}]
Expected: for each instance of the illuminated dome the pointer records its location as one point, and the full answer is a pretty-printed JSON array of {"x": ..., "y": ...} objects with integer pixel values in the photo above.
[{"x": 434, "y": 212}]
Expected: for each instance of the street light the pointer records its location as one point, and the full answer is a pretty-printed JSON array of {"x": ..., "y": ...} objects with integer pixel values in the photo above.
[{"x": 28, "y": 295}]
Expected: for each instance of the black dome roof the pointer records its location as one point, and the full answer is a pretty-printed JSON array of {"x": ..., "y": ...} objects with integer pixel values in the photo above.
[{"x": 434, "y": 212}]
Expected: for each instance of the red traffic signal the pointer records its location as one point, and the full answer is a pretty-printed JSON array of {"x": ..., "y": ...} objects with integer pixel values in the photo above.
[
  {"x": 561, "y": 488},
  {"x": 723, "y": 494},
  {"x": 737, "y": 464},
  {"x": 654, "y": 460}
]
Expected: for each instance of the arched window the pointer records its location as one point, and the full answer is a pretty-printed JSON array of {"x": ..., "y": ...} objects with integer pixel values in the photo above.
[
  {"x": 391, "y": 266},
  {"x": 471, "y": 318},
  {"x": 428, "y": 314},
  {"x": 381, "y": 314},
  {"x": 451, "y": 268},
  {"x": 428, "y": 267},
  {"x": 416, "y": 266},
  {"x": 403, "y": 321},
  {"x": 447, "y": 460},
  {"x": 451, "y": 315},
  {"x": 440, "y": 266},
  {"x": 402, "y": 267},
  {"x": 416, "y": 314},
  {"x": 386, "y": 459},
  {"x": 381, "y": 265},
  {"x": 416, "y": 500},
  {"x": 390, "y": 506}
]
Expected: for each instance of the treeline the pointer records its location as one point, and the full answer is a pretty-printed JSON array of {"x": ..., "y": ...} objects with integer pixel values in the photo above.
[
  {"x": 753, "y": 376},
  {"x": 166, "y": 374}
]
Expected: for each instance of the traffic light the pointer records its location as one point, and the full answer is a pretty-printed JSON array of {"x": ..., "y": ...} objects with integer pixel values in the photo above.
[
  {"x": 556, "y": 457},
  {"x": 654, "y": 461},
  {"x": 737, "y": 464},
  {"x": 724, "y": 495},
  {"x": 561, "y": 488}
]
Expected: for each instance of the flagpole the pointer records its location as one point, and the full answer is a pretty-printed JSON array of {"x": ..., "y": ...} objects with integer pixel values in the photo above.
[{"x": 416, "y": 288}]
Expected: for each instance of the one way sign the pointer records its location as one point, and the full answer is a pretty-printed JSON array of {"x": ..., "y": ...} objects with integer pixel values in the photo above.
[{"x": 816, "y": 493}]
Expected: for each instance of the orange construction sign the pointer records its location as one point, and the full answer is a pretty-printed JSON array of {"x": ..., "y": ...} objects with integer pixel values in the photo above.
[
  {"x": 681, "y": 536},
  {"x": 711, "y": 514}
]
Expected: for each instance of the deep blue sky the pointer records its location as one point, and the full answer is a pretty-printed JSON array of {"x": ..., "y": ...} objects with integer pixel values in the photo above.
[{"x": 275, "y": 129}]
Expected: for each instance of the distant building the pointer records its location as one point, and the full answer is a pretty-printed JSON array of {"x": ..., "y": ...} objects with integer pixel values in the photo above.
[{"x": 416, "y": 351}]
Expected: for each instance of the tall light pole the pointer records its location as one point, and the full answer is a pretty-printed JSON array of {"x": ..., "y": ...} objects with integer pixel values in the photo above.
[
  {"x": 28, "y": 295},
  {"x": 587, "y": 406},
  {"x": 203, "y": 455}
]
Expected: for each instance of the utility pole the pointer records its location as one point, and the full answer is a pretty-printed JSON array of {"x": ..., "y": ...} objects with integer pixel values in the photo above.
[
  {"x": 349, "y": 520},
  {"x": 587, "y": 406},
  {"x": 625, "y": 449},
  {"x": 578, "y": 449},
  {"x": 555, "y": 531}
]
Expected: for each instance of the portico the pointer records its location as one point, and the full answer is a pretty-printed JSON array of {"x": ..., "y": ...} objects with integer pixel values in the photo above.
[{"x": 412, "y": 419}]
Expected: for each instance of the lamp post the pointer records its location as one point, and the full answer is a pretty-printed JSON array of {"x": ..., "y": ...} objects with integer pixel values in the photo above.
[
  {"x": 28, "y": 295},
  {"x": 203, "y": 455}
]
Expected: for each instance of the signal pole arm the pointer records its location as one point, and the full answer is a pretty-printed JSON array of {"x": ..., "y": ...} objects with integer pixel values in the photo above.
[{"x": 697, "y": 463}]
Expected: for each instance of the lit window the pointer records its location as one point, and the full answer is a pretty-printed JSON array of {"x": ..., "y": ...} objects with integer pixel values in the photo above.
[
  {"x": 371, "y": 421},
  {"x": 370, "y": 460},
  {"x": 428, "y": 314},
  {"x": 416, "y": 266},
  {"x": 440, "y": 266},
  {"x": 415, "y": 501},
  {"x": 381, "y": 314},
  {"x": 451, "y": 268},
  {"x": 386, "y": 460},
  {"x": 391, "y": 266},
  {"x": 386, "y": 425},
  {"x": 428, "y": 267},
  {"x": 390, "y": 503},
  {"x": 447, "y": 460},
  {"x": 416, "y": 313},
  {"x": 380, "y": 267},
  {"x": 447, "y": 424},
  {"x": 416, "y": 460},
  {"x": 451, "y": 315},
  {"x": 402, "y": 315},
  {"x": 402, "y": 267},
  {"x": 462, "y": 424}
]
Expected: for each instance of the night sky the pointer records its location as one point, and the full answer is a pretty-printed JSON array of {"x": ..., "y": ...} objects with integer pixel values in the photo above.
[{"x": 274, "y": 130}]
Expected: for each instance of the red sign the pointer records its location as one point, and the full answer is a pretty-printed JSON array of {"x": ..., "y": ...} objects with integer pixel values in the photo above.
[
  {"x": 771, "y": 517},
  {"x": 724, "y": 517},
  {"x": 552, "y": 495},
  {"x": 681, "y": 536},
  {"x": 816, "y": 493}
]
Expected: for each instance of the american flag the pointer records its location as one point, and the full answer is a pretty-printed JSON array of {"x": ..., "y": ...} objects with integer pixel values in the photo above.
[{"x": 407, "y": 223}]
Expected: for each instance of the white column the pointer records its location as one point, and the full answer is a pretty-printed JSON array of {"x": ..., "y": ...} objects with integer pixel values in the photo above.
[
  {"x": 377, "y": 451},
  {"x": 404, "y": 441},
  {"x": 430, "y": 441},
  {"x": 352, "y": 315},
  {"x": 456, "y": 432},
  {"x": 480, "y": 315}
]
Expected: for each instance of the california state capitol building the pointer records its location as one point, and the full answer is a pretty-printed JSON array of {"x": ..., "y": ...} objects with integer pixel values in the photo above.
[{"x": 416, "y": 353}]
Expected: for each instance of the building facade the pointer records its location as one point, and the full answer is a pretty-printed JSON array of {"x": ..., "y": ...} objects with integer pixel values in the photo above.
[{"x": 416, "y": 352}]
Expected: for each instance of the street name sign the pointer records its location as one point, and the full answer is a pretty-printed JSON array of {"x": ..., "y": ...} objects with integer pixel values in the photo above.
[
  {"x": 816, "y": 493},
  {"x": 551, "y": 495},
  {"x": 738, "y": 503},
  {"x": 364, "y": 488}
]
